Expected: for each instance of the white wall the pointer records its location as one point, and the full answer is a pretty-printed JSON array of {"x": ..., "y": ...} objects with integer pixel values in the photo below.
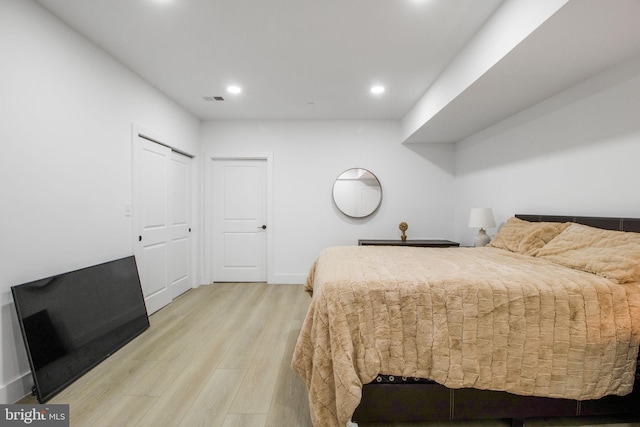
[
  {"x": 66, "y": 111},
  {"x": 307, "y": 158},
  {"x": 576, "y": 153}
]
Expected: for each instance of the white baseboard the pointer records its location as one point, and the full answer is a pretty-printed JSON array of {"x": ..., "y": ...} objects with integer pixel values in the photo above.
[
  {"x": 277, "y": 279},
  {"x": 288, "y": 279},
  {"x": 16, "y": 389}
]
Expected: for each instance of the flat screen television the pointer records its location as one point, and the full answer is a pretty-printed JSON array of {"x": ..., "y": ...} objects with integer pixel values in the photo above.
[{"x": 73, "y": 321}]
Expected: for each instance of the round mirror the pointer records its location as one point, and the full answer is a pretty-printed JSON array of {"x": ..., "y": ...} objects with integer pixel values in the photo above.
[{"x": 357, "y": 193}]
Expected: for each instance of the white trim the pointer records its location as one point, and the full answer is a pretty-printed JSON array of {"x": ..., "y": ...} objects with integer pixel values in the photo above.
[
  {"x": 288, "y": 279},
  {"x": 208, "y": 206},
  {"x": 16, "y": 389}
]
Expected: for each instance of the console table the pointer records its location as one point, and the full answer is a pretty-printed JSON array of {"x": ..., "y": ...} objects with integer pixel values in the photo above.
[{"x": 433, "y": 243}]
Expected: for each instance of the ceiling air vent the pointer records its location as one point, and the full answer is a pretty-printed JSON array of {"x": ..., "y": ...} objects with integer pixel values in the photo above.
[{"x": 213, "y": 98}]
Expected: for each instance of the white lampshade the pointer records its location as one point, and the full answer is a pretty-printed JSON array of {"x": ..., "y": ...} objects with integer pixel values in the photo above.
[{"x": 482, "y": 218}]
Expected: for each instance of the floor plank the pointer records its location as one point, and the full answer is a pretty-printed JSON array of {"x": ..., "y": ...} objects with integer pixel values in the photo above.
[
  {"x": 213, "y": 402},
  {"x": 245, "y": 420},
  {"x": 128, "y": 410}
]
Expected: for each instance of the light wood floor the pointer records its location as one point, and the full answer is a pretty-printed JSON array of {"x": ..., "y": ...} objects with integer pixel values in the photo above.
[{"x": 219, "y": 355}]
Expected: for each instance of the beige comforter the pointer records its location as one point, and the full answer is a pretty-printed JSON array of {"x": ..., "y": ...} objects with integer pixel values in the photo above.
[{"x": 464, "y": 317}]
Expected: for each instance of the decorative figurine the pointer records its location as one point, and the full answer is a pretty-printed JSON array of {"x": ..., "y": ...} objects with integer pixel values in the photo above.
[{"x": 403, "y": 227}]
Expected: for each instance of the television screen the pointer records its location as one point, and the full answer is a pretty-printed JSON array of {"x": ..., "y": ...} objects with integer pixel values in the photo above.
[{"x": 73, "y": 321}]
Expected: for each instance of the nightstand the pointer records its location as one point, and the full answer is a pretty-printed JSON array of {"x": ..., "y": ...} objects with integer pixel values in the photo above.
[{"x": 434, "y": 243}]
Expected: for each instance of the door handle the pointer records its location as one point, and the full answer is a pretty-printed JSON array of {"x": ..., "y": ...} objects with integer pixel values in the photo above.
[{"x": 264, "y": 227}]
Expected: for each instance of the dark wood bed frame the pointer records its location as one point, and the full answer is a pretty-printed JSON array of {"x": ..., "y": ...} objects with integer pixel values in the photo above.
[{"x": 434, "y": 402}]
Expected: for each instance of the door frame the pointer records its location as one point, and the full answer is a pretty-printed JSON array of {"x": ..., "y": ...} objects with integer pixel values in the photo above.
[{"x": 208, "y": 208}]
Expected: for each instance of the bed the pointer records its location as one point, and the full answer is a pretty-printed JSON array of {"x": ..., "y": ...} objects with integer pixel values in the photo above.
[{"x": 543, "y": 322}]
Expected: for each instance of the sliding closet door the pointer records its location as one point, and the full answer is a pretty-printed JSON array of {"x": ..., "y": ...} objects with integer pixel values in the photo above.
[
  {"x": 152, "y": 232},
  {"x": 162, "y": 221},
  {"x": 180, "y": 276}
]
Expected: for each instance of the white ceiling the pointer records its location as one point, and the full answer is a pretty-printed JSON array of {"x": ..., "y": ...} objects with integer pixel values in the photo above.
[
  {"x": 294, "y": 59},
  {"x": 317, "y": 59}
]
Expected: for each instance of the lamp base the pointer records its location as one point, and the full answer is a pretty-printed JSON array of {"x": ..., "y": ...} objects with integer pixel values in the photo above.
[{"x": 482, "y": 239}]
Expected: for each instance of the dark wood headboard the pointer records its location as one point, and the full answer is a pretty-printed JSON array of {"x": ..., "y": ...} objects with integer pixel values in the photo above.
[{"x": 607, "y": 223}]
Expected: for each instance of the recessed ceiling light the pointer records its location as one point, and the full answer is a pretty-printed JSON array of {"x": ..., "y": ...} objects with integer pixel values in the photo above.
[
  {"x": 234, "y": 89},
  {"x": 377, "y": 90}
]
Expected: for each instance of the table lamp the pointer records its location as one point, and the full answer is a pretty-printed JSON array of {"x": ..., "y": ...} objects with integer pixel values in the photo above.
[{"x": 482, "y": 218}]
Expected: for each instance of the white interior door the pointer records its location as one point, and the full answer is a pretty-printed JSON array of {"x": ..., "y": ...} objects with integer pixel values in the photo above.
[
  {"x": 180, "y": 277},
  {"x": 152, "y": 231},
  {"x": 239, "y": 221}
]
